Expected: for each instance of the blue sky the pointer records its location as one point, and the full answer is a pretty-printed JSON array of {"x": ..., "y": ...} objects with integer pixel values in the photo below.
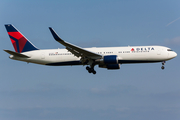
[{"x": 136, "y": 91}]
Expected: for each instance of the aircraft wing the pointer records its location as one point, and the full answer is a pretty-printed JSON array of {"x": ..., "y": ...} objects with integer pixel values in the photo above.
[{"x": 76, "y": 50}]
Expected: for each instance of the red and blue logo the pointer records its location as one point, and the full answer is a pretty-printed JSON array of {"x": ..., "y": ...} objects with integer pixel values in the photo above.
[{"x": 20, "y": 43}]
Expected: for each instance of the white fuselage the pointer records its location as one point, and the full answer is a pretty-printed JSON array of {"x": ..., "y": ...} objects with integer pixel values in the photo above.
[{"x": 130, "y": 54}]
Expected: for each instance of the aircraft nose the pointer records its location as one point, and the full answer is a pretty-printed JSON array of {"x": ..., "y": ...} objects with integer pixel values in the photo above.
[
  {"x": 172, "y": 55},
  {"x": 175, "y": 54}
]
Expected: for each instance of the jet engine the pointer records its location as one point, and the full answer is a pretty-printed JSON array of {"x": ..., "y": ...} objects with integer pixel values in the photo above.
[
  {"x": 110, "y": 62},
  {"x": 110, "y": 59}
]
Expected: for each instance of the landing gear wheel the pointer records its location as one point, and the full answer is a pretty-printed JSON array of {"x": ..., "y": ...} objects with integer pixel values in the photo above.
[
  {"x": 162, "y": 67},
  {"x": 163, "y": 63},
  {"x": 87, "y": 68},
  {"x": 94, "y": 72},
  {"x": 90, "y": 70}
]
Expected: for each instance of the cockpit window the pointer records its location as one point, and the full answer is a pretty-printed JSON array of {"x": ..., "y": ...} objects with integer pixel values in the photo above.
[{"x": 169, "y": 50}]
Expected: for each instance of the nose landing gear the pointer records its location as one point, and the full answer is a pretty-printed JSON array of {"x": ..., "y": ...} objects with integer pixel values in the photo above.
[{"x": 162, "y": 67}]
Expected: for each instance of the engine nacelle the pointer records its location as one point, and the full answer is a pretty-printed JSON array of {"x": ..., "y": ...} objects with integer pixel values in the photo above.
[
  {"x": 110, "y": 59},
  {"x": 110, "y": 66},
  {"x": 113, "y": 66},
  {"x": 110, "y": 62}
]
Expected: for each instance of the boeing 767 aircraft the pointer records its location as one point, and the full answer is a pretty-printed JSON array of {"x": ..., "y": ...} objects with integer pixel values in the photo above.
[{"x": 105, "y": 57}]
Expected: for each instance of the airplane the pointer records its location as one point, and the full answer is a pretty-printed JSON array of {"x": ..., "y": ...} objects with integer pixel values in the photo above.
[{"x": 105, "y": 57}]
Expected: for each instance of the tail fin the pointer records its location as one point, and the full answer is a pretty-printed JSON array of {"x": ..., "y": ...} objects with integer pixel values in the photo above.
[{"x": 20, "y": 42}]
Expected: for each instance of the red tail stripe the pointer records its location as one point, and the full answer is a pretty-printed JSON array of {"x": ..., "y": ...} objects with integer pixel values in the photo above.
[{"x": 16, "y": 35}]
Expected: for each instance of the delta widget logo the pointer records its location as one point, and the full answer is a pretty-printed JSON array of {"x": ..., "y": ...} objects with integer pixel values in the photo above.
[{"x": 142, "y": 49}]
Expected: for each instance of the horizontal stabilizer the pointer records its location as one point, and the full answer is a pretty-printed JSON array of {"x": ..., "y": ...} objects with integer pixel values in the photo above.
[{"x": 16, "y": 54}]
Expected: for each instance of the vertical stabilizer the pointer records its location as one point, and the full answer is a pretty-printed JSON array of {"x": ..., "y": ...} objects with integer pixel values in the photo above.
[{"x": 19, "y": 41}]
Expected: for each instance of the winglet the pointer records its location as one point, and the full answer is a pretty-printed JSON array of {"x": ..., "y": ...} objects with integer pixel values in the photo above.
[{"x": 55, "y": 35}]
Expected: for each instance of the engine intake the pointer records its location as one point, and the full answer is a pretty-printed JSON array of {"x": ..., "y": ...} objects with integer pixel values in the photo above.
[
  {"x": 110, "y": 59},
  {"x": 110, "y": 62}
]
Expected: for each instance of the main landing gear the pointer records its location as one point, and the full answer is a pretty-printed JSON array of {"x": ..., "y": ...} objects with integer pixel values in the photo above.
[
  {"x": 91, "y": 69},
  {"x": 163, "y": 63}
]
